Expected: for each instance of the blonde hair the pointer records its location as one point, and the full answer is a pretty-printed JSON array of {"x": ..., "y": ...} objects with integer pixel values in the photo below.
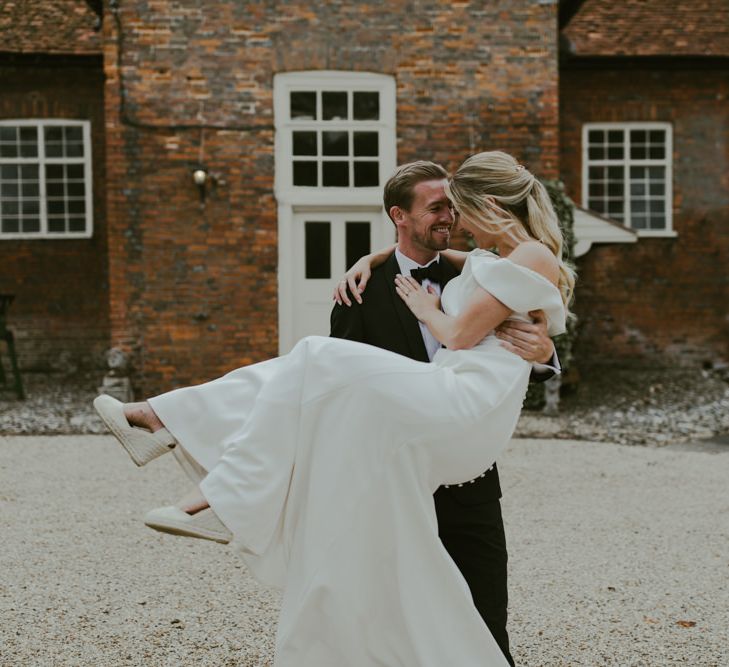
[{"x": 499, "y": 195}]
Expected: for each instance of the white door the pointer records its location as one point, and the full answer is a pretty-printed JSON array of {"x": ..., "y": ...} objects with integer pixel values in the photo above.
[{"x": 325, "y": 244}]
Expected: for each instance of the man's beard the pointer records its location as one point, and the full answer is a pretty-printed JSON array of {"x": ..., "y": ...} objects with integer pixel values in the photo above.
[{"x": 431, "y": 242}]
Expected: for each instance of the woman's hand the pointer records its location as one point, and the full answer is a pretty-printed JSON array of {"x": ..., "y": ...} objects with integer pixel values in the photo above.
[
  {"x": 420, "y": 301},
  {"x": 355, "y": 280}
]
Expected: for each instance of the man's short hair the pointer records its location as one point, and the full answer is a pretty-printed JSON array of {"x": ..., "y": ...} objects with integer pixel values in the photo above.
[{"x": 399, "y": 187}]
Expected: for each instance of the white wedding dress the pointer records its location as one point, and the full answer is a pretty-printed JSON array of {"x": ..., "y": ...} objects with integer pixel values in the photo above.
[{"x": 323, "y": 464}]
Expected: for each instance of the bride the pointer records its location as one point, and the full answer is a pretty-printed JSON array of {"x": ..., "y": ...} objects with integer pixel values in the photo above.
[{"x": 320, "y": 465}]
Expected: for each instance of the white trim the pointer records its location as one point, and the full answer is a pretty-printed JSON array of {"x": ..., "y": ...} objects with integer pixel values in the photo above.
[
  {"x": 41, "y": 160},
  {"x": 590, "y": 227},
  {"x": 626, "y": 162},
  {"x": 295, "y": 199}
]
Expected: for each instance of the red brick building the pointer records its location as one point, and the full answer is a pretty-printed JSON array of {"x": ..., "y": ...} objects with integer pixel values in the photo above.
[{"x": 295, "y": 114}]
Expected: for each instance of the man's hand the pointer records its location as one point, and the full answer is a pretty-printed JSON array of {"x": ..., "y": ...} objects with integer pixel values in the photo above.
[{"x": 529, "y": 340}]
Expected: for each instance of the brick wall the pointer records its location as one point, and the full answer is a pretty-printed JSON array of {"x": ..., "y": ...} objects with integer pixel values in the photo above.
[
  {"x": 659, "y": 301},
  {"x": 193, "y": 291},
  {"x": 61, "y": 309}
]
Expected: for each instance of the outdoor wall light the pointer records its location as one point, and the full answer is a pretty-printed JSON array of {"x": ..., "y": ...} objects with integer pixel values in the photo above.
[{"x": 200, "y": 177}]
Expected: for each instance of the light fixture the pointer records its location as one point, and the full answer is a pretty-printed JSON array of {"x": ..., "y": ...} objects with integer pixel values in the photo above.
[{"x": 200, "y": 178}]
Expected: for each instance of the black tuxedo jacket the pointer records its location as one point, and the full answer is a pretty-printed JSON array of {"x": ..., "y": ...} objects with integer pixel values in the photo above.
[{"x": 385, "y": 321}]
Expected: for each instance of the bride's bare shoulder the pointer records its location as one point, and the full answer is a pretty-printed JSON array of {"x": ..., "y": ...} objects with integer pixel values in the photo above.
[{"x": 537, "y": 257}]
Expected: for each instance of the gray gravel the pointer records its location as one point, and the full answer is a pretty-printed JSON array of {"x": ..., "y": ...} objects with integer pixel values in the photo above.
[{"x": 619, "y": 557}]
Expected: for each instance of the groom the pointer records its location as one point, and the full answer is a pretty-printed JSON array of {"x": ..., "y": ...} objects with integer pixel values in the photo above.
[{"x": 469, "y": 515}]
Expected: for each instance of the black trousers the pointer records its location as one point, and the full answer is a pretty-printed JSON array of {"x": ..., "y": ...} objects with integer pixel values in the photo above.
[{"x": 473, "y": 535}]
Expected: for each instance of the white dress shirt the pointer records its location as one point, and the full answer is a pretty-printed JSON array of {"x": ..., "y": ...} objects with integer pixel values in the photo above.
[{"x": 406, "y": 265}]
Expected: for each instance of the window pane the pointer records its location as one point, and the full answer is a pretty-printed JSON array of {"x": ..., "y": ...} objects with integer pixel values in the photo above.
[
  {"x": 615, "y": 152},
  {"x": 615, "y": 173},
  {"x": 335, "y": 143},
  {"x": 596, "y": 205},
  {"x": 56, "y": 207},
  {"x": 303, "y": 105},
  {"x": 31, "y": 224},
  {"x": 637, "y": 188},
  {"x": 595, "y": 173},
  {"x": 56, "y": 225},
  {"x": 615, "y": 189},
  {"x": 305, "y": 173},
  {"x": 595, "y": 136},
  {"x": 8, "y": 150},
  {"x": 8, "y": 134},
  {"x": 75, "y": 189},
  {"x": 77, "y": 225},
  {"x": 615, "y": 207},
  {"x": 77, "y": 206},
  {"x": 9, "y": 189},
  {"x": 638, "y": 222},
  {"x": 658, "y": 222},
  {"x": 657, "y": 153},
  {"x": 53, "y": 133},
  {"x": 54, "y": 172},
  {"x": 596, "y": 153},
  {"x": 615, "y": 137},
  {"x": 657, "y": 206},
  {"x": 366, "y": 174},
  {"x": 55, "y": 190},
  {"x": 357, "y": 241},
  {"x": 657, "y": 136},
  {"x": 366, "y": 106},
  {"x": 72, "y": 133},
  {"x": 638, "y": 152},
  {"x": 74, "y": 150},
  {"x": 28, "y": 150},
  {"x": 30, "y": 189},
  {"x": 10, "y": 225},
  {"x": 9, "y": 172},
  {"x": 596, "y": 190},
  {"x": 305, "y": 143},
  {"x": 334, "y": 106},
  {"x": 29, "y": 135},
  {"x": 318, "y": 250},
  {"x": 29, "y": 172},
  {"x": 30, "y": 207},
  {"x": 366, "y": 144},
  {"x": 638, "y": 136},
  {"x": 657, "y": 189},
  {"x": 656, "y": 173},
  {"x": 10, "y": 207},
  {"x": 54, "y": 150},
  {"x": 637, "y": 205},
  {"x": 335, "y": 174},
  {"x": 73, "y": 170}
]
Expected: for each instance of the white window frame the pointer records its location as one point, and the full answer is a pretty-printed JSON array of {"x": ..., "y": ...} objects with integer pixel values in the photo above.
[
  {"x": 626, "y": 162},
  {"x": 297, "y": 199},
  {"x": 41, "y": 160}
]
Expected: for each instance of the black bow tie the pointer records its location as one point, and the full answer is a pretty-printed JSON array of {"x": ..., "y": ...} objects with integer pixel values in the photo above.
[{"x": 432, "y": 272}]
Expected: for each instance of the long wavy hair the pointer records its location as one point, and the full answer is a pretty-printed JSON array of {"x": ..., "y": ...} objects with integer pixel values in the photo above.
[{"x": 500, "y": 196}]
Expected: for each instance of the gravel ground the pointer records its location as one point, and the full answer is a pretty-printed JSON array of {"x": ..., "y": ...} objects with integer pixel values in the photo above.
[
  {"x": 650, "y": 407},
  {"x": 618, "y": 557}
]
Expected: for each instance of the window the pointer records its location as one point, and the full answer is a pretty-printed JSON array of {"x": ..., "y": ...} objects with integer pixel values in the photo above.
[
  {"x": 45, "y": 179},
  {"x": 333, "y": 128},
  {"x": 627, "y": 174}
]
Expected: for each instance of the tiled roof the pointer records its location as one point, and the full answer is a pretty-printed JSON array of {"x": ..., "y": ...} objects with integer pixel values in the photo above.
[
  {"x": 649, "y": 28},
  {"x": 48, "y": 26}
]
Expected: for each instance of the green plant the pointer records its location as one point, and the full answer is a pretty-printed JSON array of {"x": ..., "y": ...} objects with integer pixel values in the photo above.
[{"x": 564, "y": 343}]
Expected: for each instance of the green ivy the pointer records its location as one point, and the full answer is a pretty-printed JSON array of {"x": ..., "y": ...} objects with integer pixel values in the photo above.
[{"x": 564, "y": 343}]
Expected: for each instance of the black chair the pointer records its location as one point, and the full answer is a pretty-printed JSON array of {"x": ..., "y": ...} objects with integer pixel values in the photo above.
[{"x": 7, "y": 336}]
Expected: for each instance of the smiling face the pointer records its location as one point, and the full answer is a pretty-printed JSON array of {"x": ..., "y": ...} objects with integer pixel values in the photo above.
[{"x": 425, "y": 229}]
